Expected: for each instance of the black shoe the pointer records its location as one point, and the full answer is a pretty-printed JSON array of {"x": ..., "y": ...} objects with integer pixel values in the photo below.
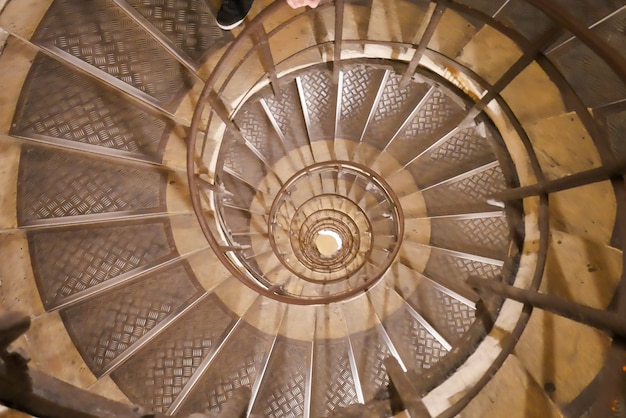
[{"x": 232, "y": 13}]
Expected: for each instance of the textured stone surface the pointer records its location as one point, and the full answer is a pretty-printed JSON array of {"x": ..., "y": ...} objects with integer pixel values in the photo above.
[
  {"x": 563, "y": 352},
  {"x": 512, "y": 393}
]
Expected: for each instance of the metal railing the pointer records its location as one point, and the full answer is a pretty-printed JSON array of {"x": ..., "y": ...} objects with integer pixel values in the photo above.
[{"x": 221, "y": 98}]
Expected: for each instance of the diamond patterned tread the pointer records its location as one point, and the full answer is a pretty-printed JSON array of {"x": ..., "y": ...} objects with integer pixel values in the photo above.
[
  {"x": 59, "y": 184},
  {"x": 465, "y": 195},
  {"x": 596, "y": 84},
  {"x": 370, "y": 351},
  {"x": 189, "y": 24},
  {"x": 156, "y": 375},
  {"x": 243, "y": 194},
  {"x": 438, "y": 116},
  {"x": 102, "y": 328},
  {"x": 240, "y": 159},
  {"x": 607, "y": 30},
  {"x": 259, "y": 132},
  {"x": 442, "y": 265},
  {"x": 451, "y": 318},
  {"x": 394, "y": 107},
  {"x": 61, "y": 103},
  {"x": 524, "y": 18},
  {"x": 174, "y": 355},
  {"x": 590, "y": 11},
  {"x": 286, "y": 110},
  {"x": 66, "y": 262},
  {"x": 488, "y": 236},
  {"x": 332, "y": 384},
  {"x": 283, "y": 389},
  {"x": 616, "y": 124},
  {"x": 238, "y": 222},
  {"x": 360, "y": 85},
  {"x": 103, "y": 36},
  {"x": 464, "y": 151},
  {"x": 320, "y": 96},
  {"x": 418, "y": 349},
  {"x": 237, "y": 364}
]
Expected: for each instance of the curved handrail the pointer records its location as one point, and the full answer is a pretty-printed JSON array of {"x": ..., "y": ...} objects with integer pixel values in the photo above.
[
  {"x": 564, "y": 20},
  {"x": 63, "y": 401}
]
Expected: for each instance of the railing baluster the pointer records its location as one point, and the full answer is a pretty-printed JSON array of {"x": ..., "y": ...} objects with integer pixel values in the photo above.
[
  {"x": 265, "y": 55},
  {"x": 404, "y": 387},
  {"x": 582, "y": 178},
  {"x": 339, "y": 12},
  {"x": 423, "y": 43},
  {"x": 597, "y": 318}
]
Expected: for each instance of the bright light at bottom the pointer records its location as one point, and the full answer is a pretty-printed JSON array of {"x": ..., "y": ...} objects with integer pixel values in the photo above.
[{"x": 328, "y": 242}]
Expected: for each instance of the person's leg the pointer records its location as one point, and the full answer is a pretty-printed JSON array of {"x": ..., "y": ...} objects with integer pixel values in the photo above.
[
  {"x": 301, "y": 3},
  {"x": 232, "y": 13}
]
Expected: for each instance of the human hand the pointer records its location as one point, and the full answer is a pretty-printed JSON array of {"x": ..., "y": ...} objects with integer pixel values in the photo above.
[{"x": 301, "y": 3}]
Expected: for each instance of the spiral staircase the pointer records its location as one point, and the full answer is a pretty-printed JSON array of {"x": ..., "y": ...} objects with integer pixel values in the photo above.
[{"x": 334, "y": 208}]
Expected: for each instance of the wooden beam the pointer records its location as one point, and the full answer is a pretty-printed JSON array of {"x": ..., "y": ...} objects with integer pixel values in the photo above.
[
  {"x": 12, "y": 326},
  {"x": 41, "y": 395},
  {"x": 597, "y": 318},
  {"x": 582, "y": 178},
  {"x": 401, "y": 384}
]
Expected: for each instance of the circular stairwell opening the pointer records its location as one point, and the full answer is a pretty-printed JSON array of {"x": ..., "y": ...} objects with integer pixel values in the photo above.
[
  {"x": 364, "y": 194},
  {"x": 359, "y": 158},
  {"x": 328, "y": 243}
]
